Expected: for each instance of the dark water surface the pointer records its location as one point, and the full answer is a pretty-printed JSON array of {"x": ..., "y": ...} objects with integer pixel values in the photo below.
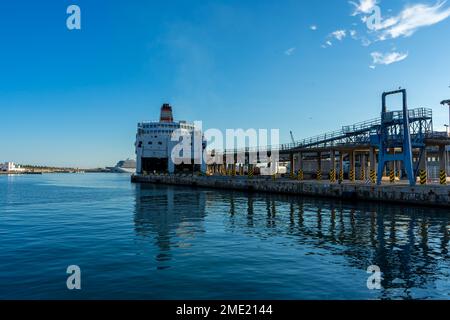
[{"x": 159, "y": 242}]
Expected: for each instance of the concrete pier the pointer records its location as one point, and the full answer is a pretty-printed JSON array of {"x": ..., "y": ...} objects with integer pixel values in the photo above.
[{"x": 436, "y": 195}]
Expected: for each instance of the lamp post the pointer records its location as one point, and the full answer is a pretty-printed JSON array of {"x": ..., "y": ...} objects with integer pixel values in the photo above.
[{"x": 447, "y": 102}]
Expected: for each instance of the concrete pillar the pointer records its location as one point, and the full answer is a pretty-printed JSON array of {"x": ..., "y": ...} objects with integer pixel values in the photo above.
[
  {"x": 333, "y": 166},
  {"x": 333, "y": 159},
  {"x": 319, "y": 166},
  {"x": 363, "y": 172},
  {"x": 399, "y": 169},
  {"x": 442, "y": 158},
  {"x": 442, "y": 167},
  {"x": 392, "y": 168},
  {"x": 423, "y": 174},
  {"x": 373, "y": 164},
  {"x": 341, "y": 166},
  {"x": 300, "y": 173},
  {"x": 352, "y": 172},
  {"x": 291, "y": 156},
  {"x": 300, "y": 161}
]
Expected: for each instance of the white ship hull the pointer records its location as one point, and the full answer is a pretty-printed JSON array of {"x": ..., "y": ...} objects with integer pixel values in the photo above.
[{"x": 124, "y": 170}]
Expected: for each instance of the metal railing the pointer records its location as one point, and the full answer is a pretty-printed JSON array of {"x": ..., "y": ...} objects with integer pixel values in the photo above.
[{"x": 346, "y": 132}]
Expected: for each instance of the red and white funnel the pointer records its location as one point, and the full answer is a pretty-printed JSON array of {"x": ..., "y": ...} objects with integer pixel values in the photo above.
[{"x": 166, "y": 113}]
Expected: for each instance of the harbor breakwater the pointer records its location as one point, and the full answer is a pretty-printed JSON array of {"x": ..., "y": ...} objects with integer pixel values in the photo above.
[{"x": 430, "y": 195}]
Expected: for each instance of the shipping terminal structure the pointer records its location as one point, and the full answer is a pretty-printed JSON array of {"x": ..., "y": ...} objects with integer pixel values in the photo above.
[
  {"x": 398, "y": 146},
  {"x": 396, "y": 157}
]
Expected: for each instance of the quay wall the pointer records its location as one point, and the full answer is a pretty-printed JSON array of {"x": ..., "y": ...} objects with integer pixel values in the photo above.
[{"x": 430, "y": 195}]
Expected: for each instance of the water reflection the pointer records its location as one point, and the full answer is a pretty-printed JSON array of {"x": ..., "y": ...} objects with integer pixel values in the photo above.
[
  {"x": 172, "y": 217},
  {"x": 409, "y": 244}
]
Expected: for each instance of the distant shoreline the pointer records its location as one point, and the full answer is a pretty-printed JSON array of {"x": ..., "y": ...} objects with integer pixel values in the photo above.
[{"x": 53, "y": 172}]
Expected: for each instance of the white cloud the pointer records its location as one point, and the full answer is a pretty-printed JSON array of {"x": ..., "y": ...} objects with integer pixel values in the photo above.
[
  {"x": 372, "y": 67},
  {"x": 289, "y": 51},
  {"x": 388, "y": 58},
  {"x": 313, "y": 27},
  {"x": 413, "y": 18},
  {"x": 364, "y": 6},
  {"x": 339, "y": 34},
  {"x": 327, "y": 44}
]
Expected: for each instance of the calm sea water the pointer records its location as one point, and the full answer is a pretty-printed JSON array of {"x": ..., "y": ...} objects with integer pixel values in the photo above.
[{"x": 158, "y": 242}]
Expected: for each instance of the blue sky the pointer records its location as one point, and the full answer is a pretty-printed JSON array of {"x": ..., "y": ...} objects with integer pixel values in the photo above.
[{"x": 73, "y": 98}]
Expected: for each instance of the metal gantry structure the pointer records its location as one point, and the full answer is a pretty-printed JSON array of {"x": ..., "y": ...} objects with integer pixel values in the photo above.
[
  {"x": 398, "y": 136},
  {"x": 395, "y": 134}
]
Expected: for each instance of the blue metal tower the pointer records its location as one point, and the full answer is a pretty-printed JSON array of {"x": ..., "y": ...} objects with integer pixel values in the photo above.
[{"x": 394, "y": 133}]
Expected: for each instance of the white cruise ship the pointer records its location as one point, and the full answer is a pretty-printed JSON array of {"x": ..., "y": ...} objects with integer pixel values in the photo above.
[
  {"x": 154, "y": 145},
  {"x": 124, "y": 166}
]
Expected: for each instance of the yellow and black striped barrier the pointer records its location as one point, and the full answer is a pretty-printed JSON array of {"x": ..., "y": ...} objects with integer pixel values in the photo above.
[
  {"x": 300, "y": 175},
  {"x": 373, "y": 176},
  {"x": 251, "y": 172},
  {"x": 274, "y": 176},
  {"x": 443, "y": 177},
  {"x": 392, "y": 176},
  {"x": 363, "y": 174},
  {"x": 332, "y": 175},
  {"x": 423, "y": 177},
  {"x": 351, "y": 175},
  {"x": 319, "y": 175},
  {"x": 341, "y": 175}
]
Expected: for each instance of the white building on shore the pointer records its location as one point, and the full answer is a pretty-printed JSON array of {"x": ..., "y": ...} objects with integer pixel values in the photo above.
[
  {"x": 10, "y": 167},
  {"x": 154, "y": 146}
]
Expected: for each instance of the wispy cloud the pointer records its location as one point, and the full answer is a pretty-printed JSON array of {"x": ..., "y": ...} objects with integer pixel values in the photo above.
[
  {"x": 313, "y": 27},
  {"x": 327, "y": 44},
  {"x": 339, "y": 34},
  {"x": 387, "y": 58},
  {"x": 364, "y": 6},
  {"x": 289, "y": 51},
  {"x": 413, "y": 18}
]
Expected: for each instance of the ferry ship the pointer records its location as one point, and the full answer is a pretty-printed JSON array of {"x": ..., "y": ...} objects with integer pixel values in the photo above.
[{"x": 154, "y": 145}]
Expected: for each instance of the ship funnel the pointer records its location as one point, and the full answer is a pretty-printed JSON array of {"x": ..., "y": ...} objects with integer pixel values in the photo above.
[{"x": 166, "y": 113}]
